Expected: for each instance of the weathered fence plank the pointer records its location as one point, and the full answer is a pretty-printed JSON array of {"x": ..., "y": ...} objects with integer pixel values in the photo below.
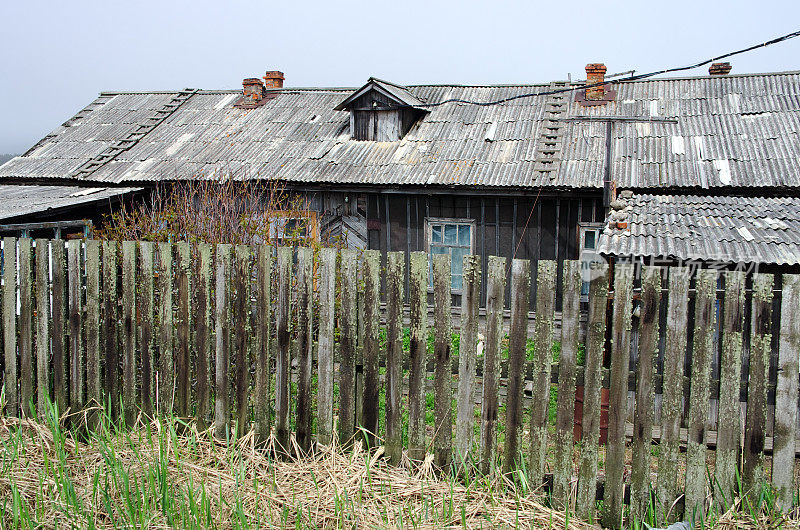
[
  {"x": 395, "y": 275},
  {"x": 325, "y": 349},
  {"x": 468, "y": 343},
  {"x": 783, "y": 449},
  {"x": 565, "y": 411},
  {"x": 144, "y": 319},
  {"x": 620, "y": 357},
  {"x": 59, "y": 331},
  {"x": 417, "y": 291},
  {"x": 222, "y": 351},
  {"x": 645, "y": 395},
  {"x": 10, "y": 382},
  {"x": 542, "y": 360},
  {"x": 109, "y": 329},
  {"x": 517, "y": 339},
  {"x": 348, "y": 346},
  {"x": 166, "y": 330},
  {"x": 305, "y": 359},
  {"x": 129, "y": 330},
  {"x": 183, "y": 365},
  {"x": 755, "y": 419},
  {"x": 729, "y": 428},
  {"x": 76, "y": 370},
  {"x": 495, "y": 294},
  {"x": 283, "y": 361},
  {"x": 442, "y": 343},
  {"x": 263, "y": 337},
  {"x": 590, "y": 423},
  {"x": 26, "y": 373},
  {"x": 241, "y": 319},
  {"x": 43, "y": 322},
  {"x": 370, "y": 335}
]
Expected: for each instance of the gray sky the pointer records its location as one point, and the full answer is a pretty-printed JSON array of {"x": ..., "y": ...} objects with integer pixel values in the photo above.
[{"x": 58, "y": 55}]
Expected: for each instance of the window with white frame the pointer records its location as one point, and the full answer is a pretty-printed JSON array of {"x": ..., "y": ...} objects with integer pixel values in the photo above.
[
  {"x": 588, "y": 234},
  {"x": 455, "y": 237}
]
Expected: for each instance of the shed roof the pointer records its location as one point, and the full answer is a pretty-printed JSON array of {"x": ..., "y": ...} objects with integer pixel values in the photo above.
[
  {"x": 729, "y": 229},
  {"x": 19, "y": 200},
  {"x": 735, "y": 131}
]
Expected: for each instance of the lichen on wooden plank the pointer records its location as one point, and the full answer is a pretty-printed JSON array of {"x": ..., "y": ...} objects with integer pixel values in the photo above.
[
  {"x": 495, "y": 294},
  {"x": 465, "y": 414}
]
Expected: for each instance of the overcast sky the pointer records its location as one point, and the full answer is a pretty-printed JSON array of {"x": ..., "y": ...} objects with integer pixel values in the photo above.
[{"x": 58, "y": 55}]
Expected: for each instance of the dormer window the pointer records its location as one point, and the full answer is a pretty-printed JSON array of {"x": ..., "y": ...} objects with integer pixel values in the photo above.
[{"x": 381, "y": 111}]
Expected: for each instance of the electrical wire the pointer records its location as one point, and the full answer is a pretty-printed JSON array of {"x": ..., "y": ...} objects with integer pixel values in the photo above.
[{"x": 615, "y": 81}]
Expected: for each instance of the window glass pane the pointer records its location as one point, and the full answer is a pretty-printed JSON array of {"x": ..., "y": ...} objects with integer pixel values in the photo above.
[
  {"x": 438, "y": 250},
  {"x": 456, "y": 281},
  {"x": 450, "y": 234},
  {"x": 463, "y": 235},
  {"x": 589, "y": 239},
  {"x": 457, "y": 264},
  {"x": 436, "y": 234}
]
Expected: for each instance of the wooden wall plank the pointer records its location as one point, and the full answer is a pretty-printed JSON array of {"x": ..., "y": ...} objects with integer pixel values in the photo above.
[
  {"x": 620, "y": 357},
  {"x": 305, "y": 348},
  {"x": 166, "y": 330},
  {"x": 241, "y": 325},
  {"x": 729, "y": 430},
  {"x": 202, "y": 333},
  {"x": 10, "y": 381},
  {"x": 348, "y": 346},
  {"x": 59, "y": 325},
  {"x": 263, "y": 336},
  {"x": 76, "y": 367},
  {"x": 565, "y": 412},
  {"x": 442, "y": 382},
  {"x": 129, "y": 331},
  {"x": 109, "y": 330},
  {"x": 283, "y": 361},
  {"x": 785, "y": 431},
  {"x": 755, "y": 419},
  {"x": 593, "y": 383},
  {"x": 418, "y": 293},
  {"x": 183, "y": 327},
  {"x": 467, "y": 358},
  {"x": 26, "y": 370},
  {"x": 645, "y": 394},
  {"x": 371, "y": 337},
  {"x": 517, "y": 341},
  {"x": 325, "y": 350},
  {"x": 144, "y": 308},
  {"x": 94, "y": 388},
  {"x": 543, "y": 358},
  {"x": 43, "y": 393},
  {"x": 222, "y": 323},
  {"x": 495, "y": 303}
]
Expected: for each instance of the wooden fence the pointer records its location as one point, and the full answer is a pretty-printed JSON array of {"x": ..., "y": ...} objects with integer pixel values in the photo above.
[{"x": 244, "y": 338}]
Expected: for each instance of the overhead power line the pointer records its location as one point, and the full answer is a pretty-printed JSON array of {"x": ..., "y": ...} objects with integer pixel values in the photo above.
[{"x": 615, "y": 81}]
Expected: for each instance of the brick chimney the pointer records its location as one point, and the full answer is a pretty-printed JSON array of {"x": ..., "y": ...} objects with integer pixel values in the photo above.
[
  {"x": 595, "y": 73},
  {"x": 274, "y": 79},
  {"x": 253, "y": 90},
  {"x": 719, "y": 69}
]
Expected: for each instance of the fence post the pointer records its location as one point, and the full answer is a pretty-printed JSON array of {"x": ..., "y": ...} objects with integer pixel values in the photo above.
[
  {"x": 620, "y": 357},
  {"x": 786, "y": 394},
  {"x": 43, "y": 323},
  {"x": 755, "y": 419},
  {"x": 241, "y": 317},
  {"x": 565, "y": 414},
  {"x": 222, "y": 341},
  {"x": 109, "y": 329},
  {"x": 543, "y": 357},
  {"x": 262, "y": 321},
  {"x": 729, "y": 430},
  {"x": 443, "y": 392},
  {"x": 467, "y": 346},
  {"x": 166, "y": 374},
  {"x": 129, "y": 331},
  {"x": 283, "y": 367},
  {"x": 25, "y": 326},
  {"x": 418, "y": 295},
  {"x": 305, "y": 359},
  {"x": 327, "y": 298},
  {"x": 348, "y": 341},
  {"x": 58, "y": 332},
  {"x": 517, "y": 342},
  {"x": 593, "y": 383},
  {"x": 76, "y": 374},
  {"x": 645, "y": 394},
  {"x": 371, "y": 332},
  {"x": 495, "y": 303},
  {"x": 395, "y": 279},
  {"x": 145, "y": 319},
  {"x": 10, "y": 324}
]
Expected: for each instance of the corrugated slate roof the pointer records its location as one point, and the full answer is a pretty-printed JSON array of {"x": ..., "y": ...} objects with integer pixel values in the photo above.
[
  {"x": 729, "y": 229},
  {"x": 732, "y": 131},
  {"x": 19, "y": 200}
]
